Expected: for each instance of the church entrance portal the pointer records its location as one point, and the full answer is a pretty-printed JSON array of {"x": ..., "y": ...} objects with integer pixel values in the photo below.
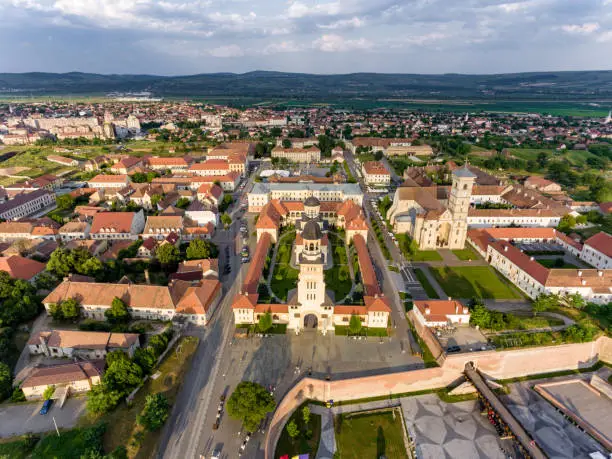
[{"x": 310, "y": 321}]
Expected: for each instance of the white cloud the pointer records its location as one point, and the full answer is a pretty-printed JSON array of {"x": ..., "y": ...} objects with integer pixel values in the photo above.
[
  {"x": 586, "y": 28},
  {"x": 606, "y": 36},
  {"x": 354, "y": 22},
  {"x": 227, "y": 51},
  {"x": 299, "y": 10},
  {"x": 282, "y": 47},
  {"x": 335, "y": 43},
  {"x": 514, "y": 7}
]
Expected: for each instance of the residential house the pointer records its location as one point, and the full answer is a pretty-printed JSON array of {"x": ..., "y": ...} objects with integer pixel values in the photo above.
[
  {"x": 441, "y": 313},
  {"x": 77, "y": 377},
  {"x": 83, "y": 344},
  {"x": 28, "y": 204},
  {"x": 117, "y": 225},
  {"x": 21, "y": 268}
]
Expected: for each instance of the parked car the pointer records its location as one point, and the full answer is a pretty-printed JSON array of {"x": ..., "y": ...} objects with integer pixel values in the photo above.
[
  {"x": 451, "y": 349},
  {"x": 46, "y": 407}
]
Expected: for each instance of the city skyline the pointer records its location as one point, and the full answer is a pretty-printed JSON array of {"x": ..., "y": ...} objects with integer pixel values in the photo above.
[{"x": 343, "y": 36}]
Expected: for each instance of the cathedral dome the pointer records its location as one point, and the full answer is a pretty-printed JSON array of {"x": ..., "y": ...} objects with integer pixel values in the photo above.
[
  {"x": 311, "y": 201},
  {"x": 312, "y": 231}
]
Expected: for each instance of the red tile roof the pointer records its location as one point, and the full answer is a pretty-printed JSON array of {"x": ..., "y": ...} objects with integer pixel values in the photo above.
[
  {"x": 602, "y": 242},
  {"x": 21, "y": 268},
  {"x": 120, "y": 222},
  {"x": 524, "y": 262},
  {"x": 251, "y": 280},
  {"x": 368, "y": 276}
]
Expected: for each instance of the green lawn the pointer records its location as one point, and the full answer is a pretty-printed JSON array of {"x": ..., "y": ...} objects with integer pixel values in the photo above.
[
  {"x": 302, "y": 444},
  {"x": 18, "y": 448},
  {"x": 431, "y": 292},
  {"x": 474, "y": 282},
  {"x": 426, "y": 255},
  {"x": 338, "y": 280},
  {"x": 372, "y": 435},
  {"x": 283, "y": 255},
  {"x": 71, "y": 443},
  {"x": 551, "y": 264},
  {"x": 466, "y": 254},
  {"x": 284, "y": 279}
]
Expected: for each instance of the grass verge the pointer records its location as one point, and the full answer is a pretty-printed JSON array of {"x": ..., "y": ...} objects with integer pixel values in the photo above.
[
  {"x": 466, "y": 254},
  {"x": 424, "y": 281}
]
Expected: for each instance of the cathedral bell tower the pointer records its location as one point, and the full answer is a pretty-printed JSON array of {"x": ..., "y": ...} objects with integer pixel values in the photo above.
[
  {"x": 311, "y": 284},
  {"x": 459, "y": 205}
]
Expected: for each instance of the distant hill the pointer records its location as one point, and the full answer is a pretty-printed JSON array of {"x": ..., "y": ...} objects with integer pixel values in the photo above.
[{"x": 552, "y": 86}]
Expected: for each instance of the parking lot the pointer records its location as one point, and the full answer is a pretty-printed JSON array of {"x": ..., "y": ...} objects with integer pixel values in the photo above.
[
  {"x": 19, "y": 419},
  {"x": 468, "y": 339}
]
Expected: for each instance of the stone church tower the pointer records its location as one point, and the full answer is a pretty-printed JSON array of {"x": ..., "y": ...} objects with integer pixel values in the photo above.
[
  {"x": 459, "y": 205},
  {"x": 311, "y": 284}
]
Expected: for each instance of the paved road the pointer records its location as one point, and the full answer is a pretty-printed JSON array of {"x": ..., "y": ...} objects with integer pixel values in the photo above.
[{"x": 19, "y": 419}]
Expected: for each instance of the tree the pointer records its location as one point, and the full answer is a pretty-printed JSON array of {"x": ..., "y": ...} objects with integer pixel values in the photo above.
[
  {"x": 566, "y": 223},
  {"x": 265, "y": 322},
  {"x": 183, "y": 203},
  {"x": 122, "y": 375},
  {"x": 573, "y": 300},
  {"x": 48, "y": 393},
  {"x": 101, "y": 399},
  {"x": 167, "y": 254},
  {"x": 155, "y": 199},
  {"x": 6, "y": 381},
  {"x": 306, "y": 415},
  {"x": 155, "y": 412},
  {"x": 65, "y": 202},
  {"x": 292, "y": 429},
  {"x": 286, "y": 143},
  {"x": 118, "y": 312},
  {"x": 71, "y": 309},
  {"x": 226, "y": 220},
  {"x": 249, "y": 403},
  {"x": 145, "y": 358},
  {"x": 480, "y": 316},
  {"x": 18, "y": 299},
  {"x": 355, "y": 324},
  {"x": 200, "y": 248},
  {"x": 544, "y": 302}
]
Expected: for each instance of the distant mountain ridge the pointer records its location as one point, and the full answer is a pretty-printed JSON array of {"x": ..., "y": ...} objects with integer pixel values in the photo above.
[{"x": 583, "y": 85}]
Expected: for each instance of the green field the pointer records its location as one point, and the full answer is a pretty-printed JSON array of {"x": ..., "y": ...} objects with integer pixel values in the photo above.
[
  {"x": 372, "y": 435},
  {"x": 474, "y": 282},
  {"x": 431, "y": 292},
  {"x": 575, "y": 157}
]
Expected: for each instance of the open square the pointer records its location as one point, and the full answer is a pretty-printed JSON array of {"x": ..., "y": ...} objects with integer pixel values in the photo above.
[{"x": 474, "y": 282}]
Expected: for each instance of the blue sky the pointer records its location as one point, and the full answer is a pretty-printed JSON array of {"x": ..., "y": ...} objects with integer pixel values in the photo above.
[{"x": 173, "y": 37}]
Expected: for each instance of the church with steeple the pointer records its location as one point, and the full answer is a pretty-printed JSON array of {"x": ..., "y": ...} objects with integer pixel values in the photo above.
[
  {"x": 434, "y": 216},
  {"x": 311, "y": 304}
]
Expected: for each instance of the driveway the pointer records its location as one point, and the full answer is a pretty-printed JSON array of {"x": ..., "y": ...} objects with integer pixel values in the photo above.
[{"x": 19, "y": 419}]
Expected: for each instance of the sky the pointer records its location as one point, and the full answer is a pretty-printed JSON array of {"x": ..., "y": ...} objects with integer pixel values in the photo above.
[{"x": 178, "y": 37}]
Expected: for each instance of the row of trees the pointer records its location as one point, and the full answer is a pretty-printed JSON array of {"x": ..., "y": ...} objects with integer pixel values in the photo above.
[{"x": 124, "y": 374}]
